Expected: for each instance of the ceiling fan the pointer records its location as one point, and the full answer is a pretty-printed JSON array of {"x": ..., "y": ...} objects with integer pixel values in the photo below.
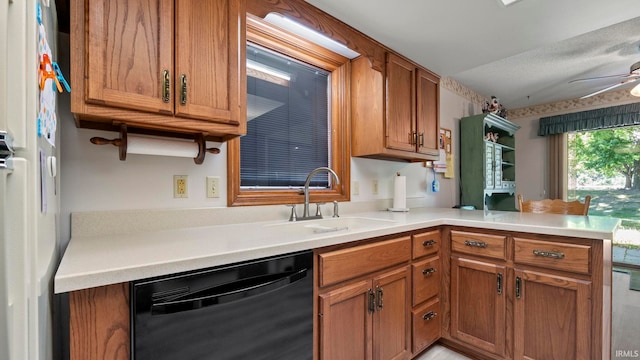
[{"x": 631, "y": 77}]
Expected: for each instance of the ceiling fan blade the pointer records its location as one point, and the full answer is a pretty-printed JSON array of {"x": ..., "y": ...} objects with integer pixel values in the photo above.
[
  {"x": 625, "y": 82},
  {"x": 605, "y": 77}
]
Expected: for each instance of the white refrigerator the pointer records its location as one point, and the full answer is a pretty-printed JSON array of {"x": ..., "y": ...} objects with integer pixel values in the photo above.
[{"x": 29, "y": 189}]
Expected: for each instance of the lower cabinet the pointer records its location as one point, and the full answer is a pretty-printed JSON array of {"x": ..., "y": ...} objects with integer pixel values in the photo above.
[
  {"x": 552, "y": 316},
  {"x": 366, "y": 319},
  {"x": 543, "y": 299},
  {"x": 367, "y": 316},
  {"x": 478, "y": 304},
  {"x": 489, "y": 294},
  {"x": 426, "y": 273}
]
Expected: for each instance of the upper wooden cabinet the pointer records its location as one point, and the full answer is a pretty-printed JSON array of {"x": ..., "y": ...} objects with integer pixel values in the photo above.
[
  {"x": 395, "y": 114},
  {"x": 166, "y": 65}
]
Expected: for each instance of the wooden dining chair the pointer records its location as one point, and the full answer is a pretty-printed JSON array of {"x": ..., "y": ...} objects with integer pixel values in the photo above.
[{"x": 555, "y": 206}]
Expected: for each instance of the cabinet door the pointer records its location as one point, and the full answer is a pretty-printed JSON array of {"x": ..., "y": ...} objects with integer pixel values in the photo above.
[
  {"x": 207, "y": 53},
  {"x": 552, "y": 317},
  {"x": 478, "y": 304},
  {"x": 489, "y": 166},
  {"x": 400, "y": 131},
  {"x": 427, "y": 120},
  {"x": 345, "y": 322},
  {"x": 497, "y": 174},
  {"x": 391, "y": 323},
  {"x": 129, "y": 53}
]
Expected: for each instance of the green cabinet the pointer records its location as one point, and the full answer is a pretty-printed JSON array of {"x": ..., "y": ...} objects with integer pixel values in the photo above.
[{"x": 487, "y": 162}]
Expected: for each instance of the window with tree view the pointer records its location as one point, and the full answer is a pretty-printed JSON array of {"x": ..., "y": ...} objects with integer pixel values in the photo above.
[{"x": 606, "y": 165}]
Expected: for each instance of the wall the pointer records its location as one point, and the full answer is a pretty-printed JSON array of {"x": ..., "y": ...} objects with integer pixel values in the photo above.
[{"x": 94, "y": 179}]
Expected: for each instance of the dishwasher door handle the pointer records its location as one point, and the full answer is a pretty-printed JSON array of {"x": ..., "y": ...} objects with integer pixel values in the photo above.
[{"x": 227, "y": 293}]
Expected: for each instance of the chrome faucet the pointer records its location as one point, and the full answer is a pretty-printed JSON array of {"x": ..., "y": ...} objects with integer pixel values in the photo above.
[{"x": 305, "y": 213}]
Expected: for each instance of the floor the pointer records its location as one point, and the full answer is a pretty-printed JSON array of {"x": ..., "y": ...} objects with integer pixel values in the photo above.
[
  {"x": 626, "y": 256},
  {"x": 628, "y": 251},
  {"x": 625, "y": 328}
]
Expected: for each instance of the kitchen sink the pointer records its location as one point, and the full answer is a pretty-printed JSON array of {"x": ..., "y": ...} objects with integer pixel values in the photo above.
[{"x": 331, "y": 225}]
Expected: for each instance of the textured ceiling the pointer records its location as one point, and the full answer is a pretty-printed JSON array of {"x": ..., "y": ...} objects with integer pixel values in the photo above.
[{"x": 525, "y": 53}]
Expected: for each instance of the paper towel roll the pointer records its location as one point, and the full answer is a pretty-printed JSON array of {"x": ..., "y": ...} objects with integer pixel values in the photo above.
[
  {"x": 164, "y": 147},
  {"x": 399, "y": 192}
]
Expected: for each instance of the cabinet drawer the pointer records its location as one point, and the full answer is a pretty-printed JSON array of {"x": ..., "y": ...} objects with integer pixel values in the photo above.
[
  {"x": 426, "y": 279},
  {"x": 492, "y": 246},
  {"x": 426, "y": 243},
  {"x": 339, "y": 265},
  {"x": 549, "y": 254},
  {"x": 426, "y": 325}
]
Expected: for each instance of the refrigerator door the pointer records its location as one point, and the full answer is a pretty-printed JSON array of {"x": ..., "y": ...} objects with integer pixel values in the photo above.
[
  {"x": 14, "y": 265},
  {"x": 28, "y": 191},
  {"x": 4, "y": 307}
]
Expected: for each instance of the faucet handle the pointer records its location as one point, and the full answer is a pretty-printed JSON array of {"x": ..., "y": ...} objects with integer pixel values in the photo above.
[
  {"x": 318, "y": 211},
  {"x": 293, "y": 216},
  {"x": 335, "y": 209}
]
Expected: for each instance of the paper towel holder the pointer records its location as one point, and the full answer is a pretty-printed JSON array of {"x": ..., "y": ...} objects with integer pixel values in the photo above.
[{"x": 121, "y": 143}]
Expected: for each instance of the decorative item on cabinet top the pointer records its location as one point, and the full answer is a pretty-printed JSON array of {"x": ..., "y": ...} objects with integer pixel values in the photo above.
[{"x": 134, "y": 144}]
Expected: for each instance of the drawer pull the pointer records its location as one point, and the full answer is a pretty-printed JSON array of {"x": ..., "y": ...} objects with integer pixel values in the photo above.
[
  {"x": 430, "y": 315},
  {"x": 428, "y": 271},
  {"x": 549, "y": 254},
  {"x": 429, "y": 243},
  {"x": 480, "y": 244},
  {"x": 372, "y": 301}
]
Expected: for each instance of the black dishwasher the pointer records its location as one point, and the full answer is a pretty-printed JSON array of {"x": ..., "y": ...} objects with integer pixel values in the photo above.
[{"x": 261, "y": 309}]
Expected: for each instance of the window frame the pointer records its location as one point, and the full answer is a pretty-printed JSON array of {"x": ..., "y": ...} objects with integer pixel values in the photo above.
[{"x": 266, "y": 35}]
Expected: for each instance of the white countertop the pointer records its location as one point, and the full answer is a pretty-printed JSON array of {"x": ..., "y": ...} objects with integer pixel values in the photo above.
[{"x": 91, "y": 261}]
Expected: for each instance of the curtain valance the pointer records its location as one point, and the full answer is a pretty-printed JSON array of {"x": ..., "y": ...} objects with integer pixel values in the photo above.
[{"x": 615, "y": 116}]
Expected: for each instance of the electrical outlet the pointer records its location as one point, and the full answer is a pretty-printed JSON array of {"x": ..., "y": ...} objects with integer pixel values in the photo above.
[
  {"x": 355, "y": 188},
  {"x": 180, "y": 186},
  {"x": 374, "y": 187},
  {"x": 213, "y": 186}
]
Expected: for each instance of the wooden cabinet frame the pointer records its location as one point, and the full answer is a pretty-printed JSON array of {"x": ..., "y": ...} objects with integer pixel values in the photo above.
[
  {"x": 584, "y": 297},
  {"x": 104, "y": 98}
]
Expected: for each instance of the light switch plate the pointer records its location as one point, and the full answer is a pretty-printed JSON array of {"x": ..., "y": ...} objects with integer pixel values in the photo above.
[
  {"x": 213, "y": 186},
  {"x": 355, "y": 188}
]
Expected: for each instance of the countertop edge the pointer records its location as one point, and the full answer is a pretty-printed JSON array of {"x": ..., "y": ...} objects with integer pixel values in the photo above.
[{"x": 70, "y": 278}]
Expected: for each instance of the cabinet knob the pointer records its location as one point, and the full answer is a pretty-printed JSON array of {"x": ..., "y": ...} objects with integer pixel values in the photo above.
[
  {"x": 430, "y": 315},
  {"x": 428, "y": 243},
  {"x": 428, "y": 271}
]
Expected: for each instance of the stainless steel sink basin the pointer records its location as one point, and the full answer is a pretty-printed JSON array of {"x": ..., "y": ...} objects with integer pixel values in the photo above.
[{"x": 331, "y": 225}]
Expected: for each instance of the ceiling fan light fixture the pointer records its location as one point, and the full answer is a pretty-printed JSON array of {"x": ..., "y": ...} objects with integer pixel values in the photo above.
[{"x": 636, "y": 90}]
